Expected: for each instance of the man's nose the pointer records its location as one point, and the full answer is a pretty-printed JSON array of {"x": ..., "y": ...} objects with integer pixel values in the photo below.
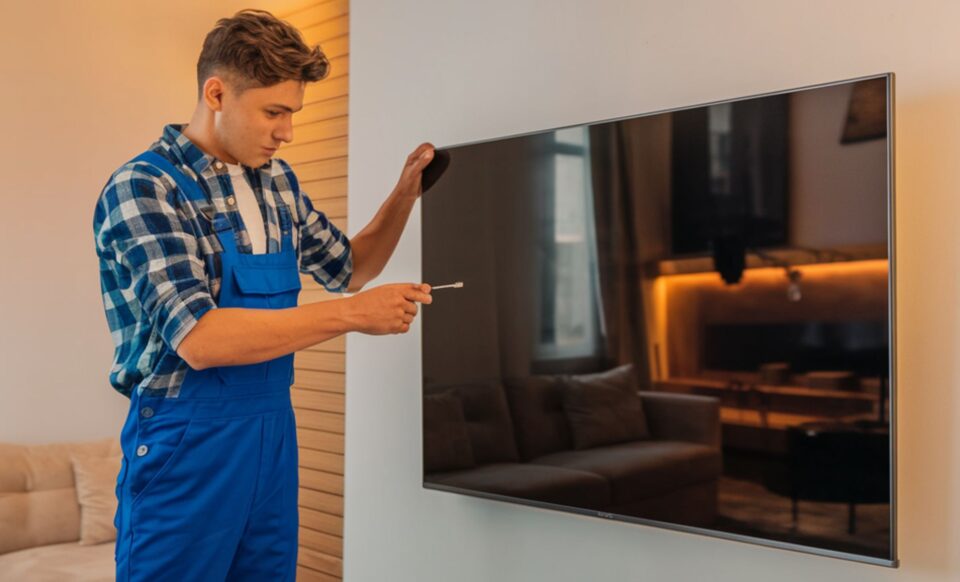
[{"x": 285, "y": 132}]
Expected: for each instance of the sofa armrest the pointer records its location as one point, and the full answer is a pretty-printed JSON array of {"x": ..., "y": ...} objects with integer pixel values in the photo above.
[{"x": 682, "y": 417}]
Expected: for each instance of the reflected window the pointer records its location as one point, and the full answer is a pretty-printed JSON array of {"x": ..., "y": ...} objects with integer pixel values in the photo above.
[{"x": 569, "y": 319}]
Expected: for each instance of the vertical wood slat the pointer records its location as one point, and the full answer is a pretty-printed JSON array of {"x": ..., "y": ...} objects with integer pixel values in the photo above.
[{"x": 318, "y": 155}]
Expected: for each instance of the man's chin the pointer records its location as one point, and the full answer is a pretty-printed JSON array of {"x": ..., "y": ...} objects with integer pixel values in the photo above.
[{"x": 257, "y": 161}]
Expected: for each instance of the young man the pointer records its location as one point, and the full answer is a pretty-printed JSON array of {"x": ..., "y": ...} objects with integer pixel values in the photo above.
[{"x": 201, "y": 240}]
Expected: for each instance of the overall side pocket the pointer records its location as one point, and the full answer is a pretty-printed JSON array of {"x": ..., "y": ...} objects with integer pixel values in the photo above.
[{"x": 160, "y": 442}]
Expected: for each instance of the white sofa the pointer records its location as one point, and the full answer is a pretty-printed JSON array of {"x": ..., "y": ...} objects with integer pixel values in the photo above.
[{"x": 40, "y": 515}]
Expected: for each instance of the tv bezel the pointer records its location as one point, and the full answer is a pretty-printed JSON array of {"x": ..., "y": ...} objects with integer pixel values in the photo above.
[{"x": 893, "y": 561}]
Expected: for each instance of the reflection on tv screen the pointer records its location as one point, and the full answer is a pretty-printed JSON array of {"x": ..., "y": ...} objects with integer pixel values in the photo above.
[{"x": 678, "y": 319}]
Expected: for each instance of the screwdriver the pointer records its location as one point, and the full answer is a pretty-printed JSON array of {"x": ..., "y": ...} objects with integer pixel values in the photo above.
[{"x": 456, "y": 285}]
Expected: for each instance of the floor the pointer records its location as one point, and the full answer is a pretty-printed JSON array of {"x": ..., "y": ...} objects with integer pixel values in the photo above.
[{"x": 746, "y": 507}]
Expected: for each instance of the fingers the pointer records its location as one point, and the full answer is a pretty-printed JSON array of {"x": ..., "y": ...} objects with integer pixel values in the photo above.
[
  {"x": 397, "y": 305},
  {"x": 421, "y": 156},
  {"x": 417, "y": 292}
]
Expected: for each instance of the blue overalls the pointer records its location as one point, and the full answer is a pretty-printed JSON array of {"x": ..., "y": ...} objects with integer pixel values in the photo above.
[{"x": 208, "y": 486}]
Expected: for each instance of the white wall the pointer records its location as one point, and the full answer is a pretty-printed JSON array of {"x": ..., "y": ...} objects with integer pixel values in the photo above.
[
  {"x": 85, "y": 87},
  {"x": 459, "y": 71}
]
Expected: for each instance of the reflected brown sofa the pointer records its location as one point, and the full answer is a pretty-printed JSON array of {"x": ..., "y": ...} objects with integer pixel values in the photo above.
[{"x": 522, "y": 445}]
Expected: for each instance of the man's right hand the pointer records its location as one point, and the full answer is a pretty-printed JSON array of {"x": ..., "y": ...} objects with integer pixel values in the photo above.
[{"x": 388, "y": 308}]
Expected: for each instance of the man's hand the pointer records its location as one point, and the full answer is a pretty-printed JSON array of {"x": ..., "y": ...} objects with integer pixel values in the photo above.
[
  {"x": 388, "y": 308},
  {"x": 409, "y": 185}
]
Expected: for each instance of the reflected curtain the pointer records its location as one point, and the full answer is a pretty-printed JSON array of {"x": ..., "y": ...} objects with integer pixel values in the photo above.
[{"x": 629, "y": 168}]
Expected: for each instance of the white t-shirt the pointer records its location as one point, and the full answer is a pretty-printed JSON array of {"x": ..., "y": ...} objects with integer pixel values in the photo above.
[{"x": 249, "y": 208}]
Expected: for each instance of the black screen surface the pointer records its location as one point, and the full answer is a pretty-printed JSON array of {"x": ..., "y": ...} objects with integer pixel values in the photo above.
[{"x": 679, "y": 319}]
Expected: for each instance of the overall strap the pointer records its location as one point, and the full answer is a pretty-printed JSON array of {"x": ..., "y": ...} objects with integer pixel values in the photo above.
[{"x": 191, "y": 190}]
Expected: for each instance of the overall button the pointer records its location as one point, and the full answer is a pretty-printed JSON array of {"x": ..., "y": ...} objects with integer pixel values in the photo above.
[
  {"x": 142, "y": 450},
  {"x": 218, "y": 165},
  {"x": 231, "y": 200},
  {"x": 146, "y": 412}
]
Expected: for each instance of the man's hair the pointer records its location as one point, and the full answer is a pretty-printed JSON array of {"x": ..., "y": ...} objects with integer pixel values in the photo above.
[{"x": 254, "y": 48}]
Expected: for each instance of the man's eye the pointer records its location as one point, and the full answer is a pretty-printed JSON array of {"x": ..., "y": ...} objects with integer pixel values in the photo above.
[{"x": 273, "y": 113}]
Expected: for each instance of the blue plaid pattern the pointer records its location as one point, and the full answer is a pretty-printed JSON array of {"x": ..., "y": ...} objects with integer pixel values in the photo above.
[{"x": 159, "y": 254}]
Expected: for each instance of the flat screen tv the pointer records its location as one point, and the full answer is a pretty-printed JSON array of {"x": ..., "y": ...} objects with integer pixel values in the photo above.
[{"x": 679, "y": 319}]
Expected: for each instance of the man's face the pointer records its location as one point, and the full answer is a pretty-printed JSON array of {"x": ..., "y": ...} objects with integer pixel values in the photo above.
[{"x": 252, "y": 125}]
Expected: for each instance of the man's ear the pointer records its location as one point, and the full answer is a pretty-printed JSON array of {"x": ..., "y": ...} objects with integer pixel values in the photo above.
[{"x": 213, "y": 89}]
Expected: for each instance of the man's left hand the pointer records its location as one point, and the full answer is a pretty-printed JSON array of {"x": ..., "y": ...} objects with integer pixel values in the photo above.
[{"x": 409, "y": 185}]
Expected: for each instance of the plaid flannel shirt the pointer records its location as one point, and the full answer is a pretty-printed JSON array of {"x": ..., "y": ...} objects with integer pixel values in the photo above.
[{"x": 160, "y": 256}]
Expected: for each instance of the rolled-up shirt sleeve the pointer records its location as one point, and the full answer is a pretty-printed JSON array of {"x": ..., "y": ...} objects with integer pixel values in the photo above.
[
  {"x": 155, "y": 256},
  {"x": 325, "y": 251}
]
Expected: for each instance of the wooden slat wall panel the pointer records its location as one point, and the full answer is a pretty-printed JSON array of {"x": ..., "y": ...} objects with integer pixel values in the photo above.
[
  {"x": 320, "y": 381},
  {"x": 317, "y": 12},
  {"x": 321, "y": 481},
  {"x": 321, "y": 129},
  {"x": 308, "y": 575},
  {"x": 325, "y": 502},
  {"x": 322, "y": 170},
  {"x": 320, "y": 521},
  {"x": 326, "y": 543},
  {"x": 321, "y": 461},
  {"x": 316, "y": 400},
  {"x": 329, "y": 109},
  {"x": 327, "y": 89},
  {"x": 323, "y": 563},
  {"x": 318, "y": 155},
  {"x": 326, "y": 188},
  {"x": 329, "y": 421},
  {"x": 321, "y": 440},
  {"x": 309, "y": 152},
  {"x": 319, "y": 361}
]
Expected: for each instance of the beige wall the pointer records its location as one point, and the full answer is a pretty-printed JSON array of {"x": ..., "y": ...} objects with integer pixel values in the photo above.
[
  {"x": 454, "y": 72},
  {"x": 85, "y": 87}
]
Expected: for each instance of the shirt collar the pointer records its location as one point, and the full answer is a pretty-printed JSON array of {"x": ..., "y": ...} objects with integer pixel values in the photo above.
[{"x": 188, "y": 152}]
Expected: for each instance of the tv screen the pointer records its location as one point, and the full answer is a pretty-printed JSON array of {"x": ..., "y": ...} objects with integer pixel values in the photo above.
[{"x": 678, "y": 319}]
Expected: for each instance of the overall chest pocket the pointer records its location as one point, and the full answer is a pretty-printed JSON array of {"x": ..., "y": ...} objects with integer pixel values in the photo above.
[
  {"x": 262, "y": 287},
  {"x": 266, "y": 287}
]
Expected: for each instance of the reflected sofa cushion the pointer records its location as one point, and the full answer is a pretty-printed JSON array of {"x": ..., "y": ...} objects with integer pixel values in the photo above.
[
  {"x": 604, "y": 408},
  {"x": 446, "y": 442},
  {"x": 536, "y": 403},
  {"x": 488, "y": 420}
]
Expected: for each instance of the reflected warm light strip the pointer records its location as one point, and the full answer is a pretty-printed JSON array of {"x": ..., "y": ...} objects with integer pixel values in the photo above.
[
  {"x": 680, "y": 297},
  {"x": 660, "y": 323},
  {"x": 812, "y": 271}
]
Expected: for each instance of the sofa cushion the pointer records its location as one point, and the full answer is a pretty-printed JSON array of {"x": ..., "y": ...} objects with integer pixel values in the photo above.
[
  {"x": 604, "y": 408},
  {"x": 558, "y": 485},
  {"x": 446, "y": 441},
  {"x": 488, "y": 420},
  {"x": 96, "y": 482},
  {"x": 642, "y": 469},
  {"x": 601, "y": 414},
  {"x": 60, "y": 562},
  {"x": 38, "y": 501},
  {"x": 536, "y": 403}
]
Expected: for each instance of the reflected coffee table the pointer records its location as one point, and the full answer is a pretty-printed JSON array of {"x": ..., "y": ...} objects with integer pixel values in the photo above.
[{"x": 831, "y": 461}]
